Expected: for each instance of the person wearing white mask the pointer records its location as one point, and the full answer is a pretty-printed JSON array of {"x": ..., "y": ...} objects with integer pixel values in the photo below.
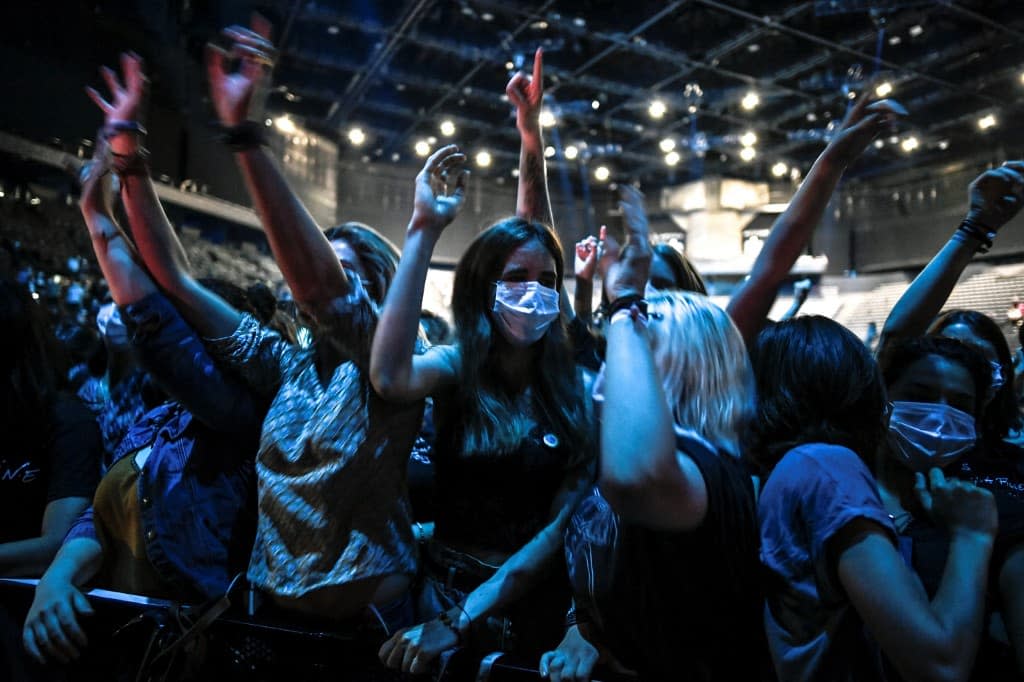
[
  {"x": 937, "y": 388},
  {"x": 513, "y": 449}
]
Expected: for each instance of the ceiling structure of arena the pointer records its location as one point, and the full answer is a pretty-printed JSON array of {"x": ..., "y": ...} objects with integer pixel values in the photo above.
[{"x": 657, "y": 91}]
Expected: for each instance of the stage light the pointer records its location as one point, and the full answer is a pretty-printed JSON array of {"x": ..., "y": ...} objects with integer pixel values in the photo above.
[
  {"x": 916, "y": 30},
  {"x": 601, "y": 173},
  {"x": 657, "y": 109},
  {"x": 356, "y": 136},
  {"x": 667, "y": 145},
  {"x": 779, "y": 169},
  {"x": 986, "y": 122},
  {"x": 748, "y": 154},
  {"x": 285, "y": 125},
  {"x": 571, "y": 152},
  {"x": 483, "y": 158},
  {"x": 879, "y": 143},
  {"x": 447, "y": 128},
  {"x": 750, "y": 101},
  {"x": 547, "y": 118},
  {"x": 422, "y": 148},
  {"x": 672, "y": 158},
  {"x": 595, "y": 105},
  {"x": 748, "y": 139},
  {"x": 884, "y": 89},
  {"x": 910, "y": 144},
  {"x": 944, "y": 145},
  {"x": 509, "y": 66},
  {"x": 549, "y": 151},
  {"x": 794, "y": 174}
]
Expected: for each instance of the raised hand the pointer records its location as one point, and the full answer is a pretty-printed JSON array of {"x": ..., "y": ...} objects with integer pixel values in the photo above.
[
  {"x": 98, "y": 190},
  {"x": 527, "y": 94},
  {"x": 127, "y": 99},
  {"x": 232, "y": 92},
  {"x": 864, "y": 122},
  {"x": 997, "y": 195},
  {"x": 433, "y": 207},
  {"x": 626, "y": 269},
  {"x": 586, "y": 258}
]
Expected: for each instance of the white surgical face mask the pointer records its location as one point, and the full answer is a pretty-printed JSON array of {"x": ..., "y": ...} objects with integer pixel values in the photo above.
[
  {"x": 925, "y": 435},
  {"x": 524, "y": 311}
]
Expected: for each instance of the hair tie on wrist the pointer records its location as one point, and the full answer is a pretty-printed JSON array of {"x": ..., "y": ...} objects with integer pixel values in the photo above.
[
  {"x": 977, "y": 232},
  {"x": 446, "y": 621},
  {"x": 627, "y": 302},
  {"x": 243, "y": 137},
  {"x": 115, "y": 128}
]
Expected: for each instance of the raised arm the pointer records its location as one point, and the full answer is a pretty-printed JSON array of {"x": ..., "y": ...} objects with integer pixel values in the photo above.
[
  {"x": 527, "y": 94},
  {"x": 155, "y": 239},
  {"x": 996, "y": 196},
  {"x": 642, "y": 475},
  {"x": 585, "y": 269},
  {"x": 924, "y": 641},
  {"x": 396, "y": 372},
  {"x": 301, "y": 250},
  {"x": 116, "y": 255},
  {"x": 792, "y": 230}
]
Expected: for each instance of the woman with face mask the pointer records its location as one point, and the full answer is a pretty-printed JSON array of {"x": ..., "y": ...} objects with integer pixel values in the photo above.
[
  {"x": 509, "y": 403},
  {"x": 937, "y": 389},
  {"x": 838, "y": 590}
]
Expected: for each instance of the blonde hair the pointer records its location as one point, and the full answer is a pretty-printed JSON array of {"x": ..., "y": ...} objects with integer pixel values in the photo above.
[{"x": 704, "y": 367}]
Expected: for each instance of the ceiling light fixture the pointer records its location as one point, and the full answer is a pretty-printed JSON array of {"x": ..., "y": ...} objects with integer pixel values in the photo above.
[
  {"x": 356, "y": 136},
  {"x": 483, "y": 158},
  {"x": 602, "y": 173},
  {"x": 657, "y": 109},
  {"x": 884, "y": 89},
  {"x": 750, "y": 101},
  {"x": 447, "y": 128},
  {"x": 667, "y": 145}
]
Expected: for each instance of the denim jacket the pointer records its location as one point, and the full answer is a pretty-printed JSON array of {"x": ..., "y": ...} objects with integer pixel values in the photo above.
[{"x": 197, "y": 488}]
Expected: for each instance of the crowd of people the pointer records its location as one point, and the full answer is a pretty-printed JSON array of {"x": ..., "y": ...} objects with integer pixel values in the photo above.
[{"x": 658, "y": 489}]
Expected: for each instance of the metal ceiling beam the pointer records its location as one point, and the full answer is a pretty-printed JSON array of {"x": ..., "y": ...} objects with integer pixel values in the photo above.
[
  {"x": 982, "y": 19},
  {"x": 360, "y": 81},
  {"x": 640, "y": 28},
  {"x": 839, "y": 47}
]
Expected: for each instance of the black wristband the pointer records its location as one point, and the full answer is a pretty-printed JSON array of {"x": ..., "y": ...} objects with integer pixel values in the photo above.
[
  {"x": 978, "y": 232},
  {"x": 625, "y": 303},
  {"x": 243, "y": 137}
]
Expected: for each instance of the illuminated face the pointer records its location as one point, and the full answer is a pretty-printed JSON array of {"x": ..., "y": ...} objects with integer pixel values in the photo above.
[
  {"x": 935, "y": 379},
  {"x": 531, "y": 262}
]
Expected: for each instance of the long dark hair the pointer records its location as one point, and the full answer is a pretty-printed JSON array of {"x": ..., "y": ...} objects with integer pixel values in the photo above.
[
  {"x": 31, "y": 361},
  {"x": 492, "y": 423},
  {"x": 1002, "y": 414},
  {"x": 685, "y": 275},
  {"x": 816, "y": 382},
  {"x": 378, "y": 256}
]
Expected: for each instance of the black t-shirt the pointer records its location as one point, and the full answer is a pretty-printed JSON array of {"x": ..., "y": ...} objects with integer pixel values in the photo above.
[
  {"x": 676, "y": 605},
  {"x": 41, "y": 468}
]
